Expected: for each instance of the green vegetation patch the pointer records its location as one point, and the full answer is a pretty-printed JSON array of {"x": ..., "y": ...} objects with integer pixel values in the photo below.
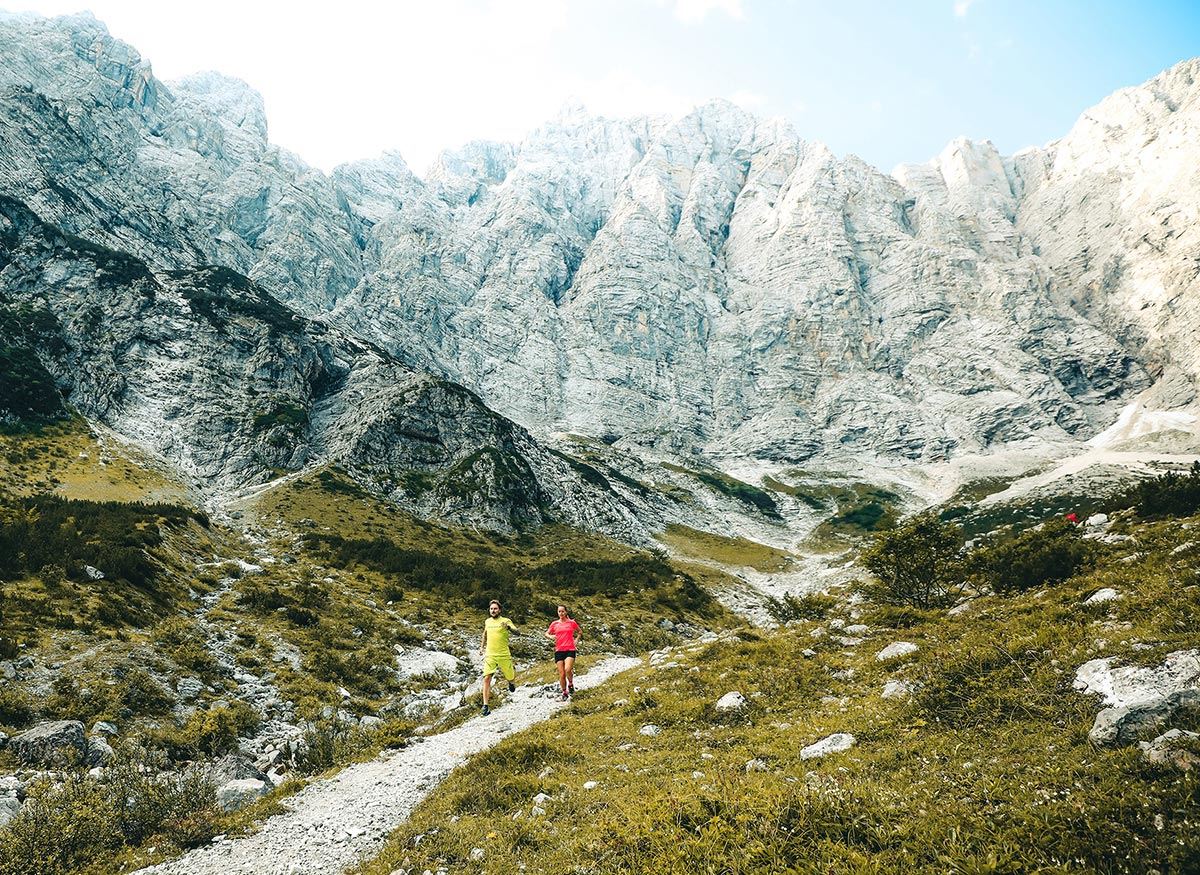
[
  {"x": 28, "y": 394},
  {"x": 221, "y": 295},
  {"x": 725, "y": 550},
  {"x": 1173, "y": 494},
  {"x": 284, "y": 413}
]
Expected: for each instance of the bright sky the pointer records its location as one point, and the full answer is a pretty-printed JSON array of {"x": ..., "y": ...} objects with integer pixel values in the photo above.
[{"x": 888, "y": 81}]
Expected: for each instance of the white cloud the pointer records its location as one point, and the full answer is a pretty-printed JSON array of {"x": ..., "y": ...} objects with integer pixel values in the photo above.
[
  {"x": 961, "y": 7},
  {"x": 695, "y": 11},
  {"x": 750, "y": 100},
  {"x": 619, "y": 93}
]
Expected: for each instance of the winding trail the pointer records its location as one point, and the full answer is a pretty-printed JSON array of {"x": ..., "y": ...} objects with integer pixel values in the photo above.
[{"x": 337, "y": 822}]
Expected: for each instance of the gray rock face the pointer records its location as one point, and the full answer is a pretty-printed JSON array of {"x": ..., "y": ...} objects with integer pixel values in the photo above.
[
  {"x": 1166, "y": 750},
  {"x": 269, "y": 390},
  {"x": 711, "y": 283},
  {"x": 57, "y": 742}
]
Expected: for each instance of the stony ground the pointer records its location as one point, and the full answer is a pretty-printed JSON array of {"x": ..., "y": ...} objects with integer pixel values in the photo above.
[{"x": 335, "y": 823}]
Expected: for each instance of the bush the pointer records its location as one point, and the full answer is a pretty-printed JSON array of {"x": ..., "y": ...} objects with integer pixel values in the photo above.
[
  {"x": 1045, "y": 555},
  {"x": 16, "y": 706},
  {"x": 917, "y": 563},
  {"x": 53, "y": 534},
  {"x": 1172, "y": 494},
  {"x": 64, "y": 827},
  {"x": 810, "y": 606},
  {"x": 212, "y": 732}
]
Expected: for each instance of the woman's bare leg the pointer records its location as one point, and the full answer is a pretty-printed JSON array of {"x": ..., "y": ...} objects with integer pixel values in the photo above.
[
  {"x": 562, "y": 674},
  {"x": 568, "y": 667}
]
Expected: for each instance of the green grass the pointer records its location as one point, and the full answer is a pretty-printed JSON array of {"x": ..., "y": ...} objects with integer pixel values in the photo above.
[
  {"x": 725, "y": 550},
  {"x": 987, "y": 769}
]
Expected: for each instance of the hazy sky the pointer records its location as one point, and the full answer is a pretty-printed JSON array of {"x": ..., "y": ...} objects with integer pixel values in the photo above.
[{"x": 888, "y": 81}]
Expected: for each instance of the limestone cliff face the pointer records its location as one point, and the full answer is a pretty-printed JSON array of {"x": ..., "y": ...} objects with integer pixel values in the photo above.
[
  {"x": 211, "y": 373},
  {"x": 709, "y": 284}
]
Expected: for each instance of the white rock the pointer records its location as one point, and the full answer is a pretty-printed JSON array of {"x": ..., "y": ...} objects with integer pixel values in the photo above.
[
  {"x": 476, "y": 854},
  {"x": 1107, "y": 594},
  {"x": 10, "y": 806},
  {"x": 731, "y": 701},
  {"x": 897, "y": 690},
  {"x": 590, "y": 785},
  {"x": 896, "y": 650},
  {"x": 650, "y": 729},
  {"x": 835, "y": 743},
  {"x": 238, "y": 793}
]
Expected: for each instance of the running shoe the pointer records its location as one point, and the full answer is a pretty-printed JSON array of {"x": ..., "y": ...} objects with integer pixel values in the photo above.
[
  {"x": 565, "y": 697},
  {"x": 486, "y": 710},
  {"x": 571, "y": 689},
  {"x": 512, "y": 688}
]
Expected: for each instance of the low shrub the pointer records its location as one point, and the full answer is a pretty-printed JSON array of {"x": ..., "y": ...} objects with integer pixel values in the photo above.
[
  {"x": 66, "y": 826},
  {"x": 212, "y": 732},
  {"x": 809, "y": 606},
  {"x": 1041, "y": 556},
  {"x": 1173, "y": 494}
]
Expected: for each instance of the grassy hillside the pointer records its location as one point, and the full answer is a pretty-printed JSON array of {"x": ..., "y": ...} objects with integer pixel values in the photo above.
[
  {"x": 310, "y": 594},
  {"x": 986, "y": 767}
]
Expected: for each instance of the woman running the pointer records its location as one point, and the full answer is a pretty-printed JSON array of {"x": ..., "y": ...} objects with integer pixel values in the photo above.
[{"x": 562, "y": 633}]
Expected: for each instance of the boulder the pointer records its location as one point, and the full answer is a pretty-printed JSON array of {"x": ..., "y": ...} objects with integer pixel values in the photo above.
[
  {"x": 99, "y": 752},
  {"x": 1123, "y": 725},
  {"x": 1140, "y": 700},
  {"x": 649, "y": 729},
  {"x": 731, "y": 701},
  {"x": 10, "y": 806},
  {"x": 1108, "y": 594},
  {"x": 835, "y": 743},
  {"x": 236, "y": 794},
  {"x": 961, "y": 608},
  {"x": 896, "y": 650},
  {"x": 898, "y": 689},
  {"x": 233, "y": 767},
  {"x": 54, "y": 743},
  {"x": 189, "y": 688},
  {"x": 1164, "y": 750}
]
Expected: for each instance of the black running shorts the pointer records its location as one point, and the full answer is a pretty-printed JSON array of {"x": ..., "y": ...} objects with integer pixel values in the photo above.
[{"x": 560, "y": 655}]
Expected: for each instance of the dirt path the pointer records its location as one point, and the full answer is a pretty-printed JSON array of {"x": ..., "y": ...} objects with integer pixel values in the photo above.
[{"x": 334, "y": 823}]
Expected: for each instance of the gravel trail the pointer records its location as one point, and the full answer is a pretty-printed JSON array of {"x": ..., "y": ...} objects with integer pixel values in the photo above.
[{"x": 332, "y": 824}]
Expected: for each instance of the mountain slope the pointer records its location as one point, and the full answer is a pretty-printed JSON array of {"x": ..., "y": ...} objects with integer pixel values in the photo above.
[
  {"x": 211, "y": 373},
  {"x": 711, "y": 283}
]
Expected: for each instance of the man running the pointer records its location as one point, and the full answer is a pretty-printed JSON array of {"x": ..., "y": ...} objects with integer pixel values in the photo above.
[
  {"x": 562, "y": 633},
  {"x": 494, "y": 648}
]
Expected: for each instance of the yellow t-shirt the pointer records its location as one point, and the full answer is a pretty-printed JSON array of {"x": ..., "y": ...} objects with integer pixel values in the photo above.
[{"x": 498, "y": 629}]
